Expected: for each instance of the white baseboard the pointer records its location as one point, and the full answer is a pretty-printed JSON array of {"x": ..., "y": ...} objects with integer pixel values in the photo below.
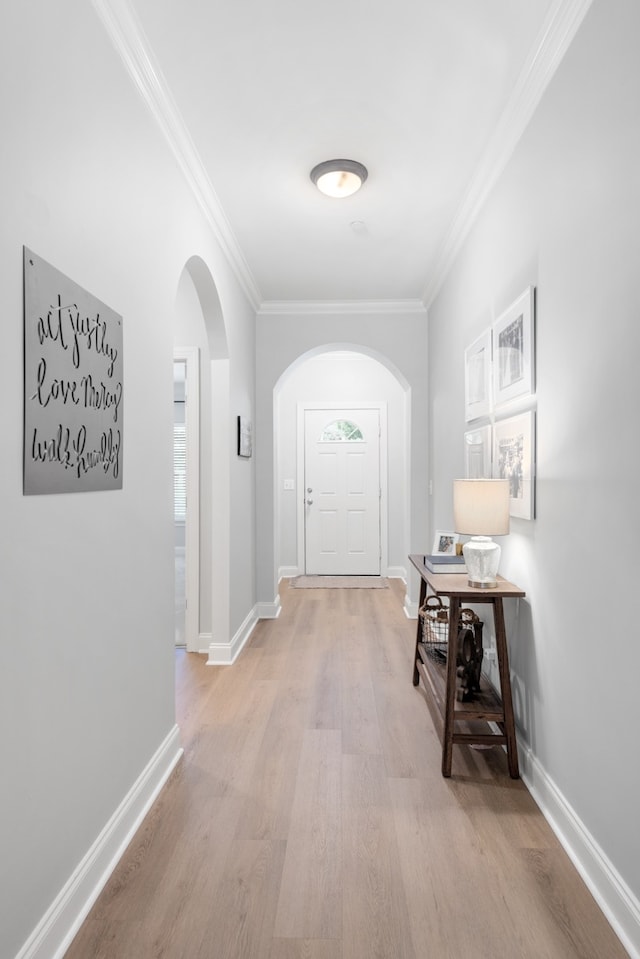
[
  {"x": 410, "y": 608},
  {"x": 204, "y": 641},
  {"x": 288, "y": 572},
  {"x": 269, "y": 610},
  {"x": 618, "y": 903},
  {"x": 396, "y": 572},
  {"x": 225, "y": 654},
  {"x": 54, "y": 933}
]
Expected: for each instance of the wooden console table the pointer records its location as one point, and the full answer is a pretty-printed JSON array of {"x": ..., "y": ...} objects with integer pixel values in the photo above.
[{"x": 440, "y": 680}]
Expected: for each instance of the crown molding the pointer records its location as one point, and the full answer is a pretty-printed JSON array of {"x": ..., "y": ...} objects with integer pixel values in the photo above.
[
  {"x": 554, "y": 39},
  {"x": 127, "y": 36},
  {"x": 340, "y": 307}
]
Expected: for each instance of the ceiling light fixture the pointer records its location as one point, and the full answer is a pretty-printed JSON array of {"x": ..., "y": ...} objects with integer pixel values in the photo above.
[{"x": 339, "y": 178}]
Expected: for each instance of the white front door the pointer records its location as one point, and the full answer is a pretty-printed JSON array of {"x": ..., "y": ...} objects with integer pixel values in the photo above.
[{"x": 342, "y": 492}]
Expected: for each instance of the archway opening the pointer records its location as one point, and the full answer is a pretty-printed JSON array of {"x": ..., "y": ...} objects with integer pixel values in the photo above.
[
  {"x": 200, "y": 342},
  {"x": 332, "y": 376}
]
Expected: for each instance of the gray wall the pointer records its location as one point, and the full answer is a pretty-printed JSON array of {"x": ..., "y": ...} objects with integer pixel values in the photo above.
[
  {"x": 564, "y": 217},
  {"x": 86, "y": 580}
]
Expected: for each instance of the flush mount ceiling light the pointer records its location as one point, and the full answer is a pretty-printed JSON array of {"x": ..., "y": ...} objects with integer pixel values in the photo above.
[{"x": 339, "y": 178}]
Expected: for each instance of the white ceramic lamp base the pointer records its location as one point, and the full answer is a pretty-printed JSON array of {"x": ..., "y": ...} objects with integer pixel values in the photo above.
[{"x": 482, "y": 558}]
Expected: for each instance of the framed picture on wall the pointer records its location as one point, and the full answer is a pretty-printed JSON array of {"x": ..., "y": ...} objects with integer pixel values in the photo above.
[
  {"x": 73, "y": 385},
  {"x": 514, "y": 350},
  {"x": 477, "y": 378},
  {"x": 477, "y": 453},
  {"x": 514, "y": 459},
  {"x": 244, "y": 437}
]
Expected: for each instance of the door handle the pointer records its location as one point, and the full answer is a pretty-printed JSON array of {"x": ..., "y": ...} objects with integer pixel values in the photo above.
[{"x": 309, "y": 502}]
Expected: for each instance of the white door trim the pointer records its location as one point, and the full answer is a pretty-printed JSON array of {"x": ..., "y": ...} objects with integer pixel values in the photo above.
[
  {"x": 379, "y": 405},
  {"x": 190, "y": 356}
]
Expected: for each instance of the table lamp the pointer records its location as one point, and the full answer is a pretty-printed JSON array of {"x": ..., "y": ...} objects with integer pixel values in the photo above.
[{"x": 481, "y": 510}]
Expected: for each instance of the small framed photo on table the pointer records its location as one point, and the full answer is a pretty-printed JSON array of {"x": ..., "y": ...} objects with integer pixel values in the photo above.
[{"x": 444, "y": 543}]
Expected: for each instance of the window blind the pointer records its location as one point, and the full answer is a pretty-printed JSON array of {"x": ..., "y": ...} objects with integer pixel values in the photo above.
[{"x": 180, "y": 472}]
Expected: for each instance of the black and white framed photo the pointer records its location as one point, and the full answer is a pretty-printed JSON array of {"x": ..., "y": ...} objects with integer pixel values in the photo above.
[
  {"x": 514, "y": 350},
  {"x": 444, "y": 543},
  {"x": 478, "y": 453},
  {"x": 244, "y": 437},
  {"x": 514, "y": 442},
  {"x": 477, "y": 378}
]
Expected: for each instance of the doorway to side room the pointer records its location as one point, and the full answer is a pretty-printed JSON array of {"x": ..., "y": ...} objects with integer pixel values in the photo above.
[
  {"x": 186, "y": 471},
  {"x": 200, "y": 341},
  {"x": 179, "y": 498}
]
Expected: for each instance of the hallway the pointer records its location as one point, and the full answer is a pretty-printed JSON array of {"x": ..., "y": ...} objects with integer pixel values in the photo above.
[{"x": 308, "y": 818}]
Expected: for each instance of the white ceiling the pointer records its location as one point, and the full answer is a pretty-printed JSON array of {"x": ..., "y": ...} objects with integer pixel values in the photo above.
[{"x": 430, "y": 95}]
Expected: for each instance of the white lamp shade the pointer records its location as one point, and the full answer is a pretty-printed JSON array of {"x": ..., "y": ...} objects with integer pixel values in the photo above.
[{"x": 481, "y": 507}]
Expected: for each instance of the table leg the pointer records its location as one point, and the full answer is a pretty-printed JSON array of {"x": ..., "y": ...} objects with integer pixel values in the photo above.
[
  {"x": 505, "y": 688},
  {"x": 423, "y": 596},
  {"x": 450, "y": 698}
]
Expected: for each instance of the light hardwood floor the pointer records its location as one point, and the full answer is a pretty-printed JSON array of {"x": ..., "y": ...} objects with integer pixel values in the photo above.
[{"x": 308, "y": 818}]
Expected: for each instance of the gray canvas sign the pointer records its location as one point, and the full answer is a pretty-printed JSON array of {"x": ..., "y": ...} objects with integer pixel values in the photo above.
[{"x": 73, "y": 386}]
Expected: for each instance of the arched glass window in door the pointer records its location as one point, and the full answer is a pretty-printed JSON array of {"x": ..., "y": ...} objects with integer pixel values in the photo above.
[{"x": 342, "y": 431}]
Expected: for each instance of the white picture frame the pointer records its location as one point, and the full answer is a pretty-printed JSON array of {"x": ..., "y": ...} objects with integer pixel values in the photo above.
[
  {"x": 514, "y": 459},
  {"x": 444, "y": 543},
  {"x": 477, "y": 378},
  {"x": 513, "y": 342},
  {"x": 478, "y": 452}
]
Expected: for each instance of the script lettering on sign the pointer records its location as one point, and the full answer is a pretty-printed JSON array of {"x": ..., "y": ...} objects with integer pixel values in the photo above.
[{"x": 73, "y": 386}]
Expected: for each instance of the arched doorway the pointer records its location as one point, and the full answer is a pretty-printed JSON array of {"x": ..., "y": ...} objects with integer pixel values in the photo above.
[
  {"x": 200, "y": 342},
  {"x": 347, "y": 377}
]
